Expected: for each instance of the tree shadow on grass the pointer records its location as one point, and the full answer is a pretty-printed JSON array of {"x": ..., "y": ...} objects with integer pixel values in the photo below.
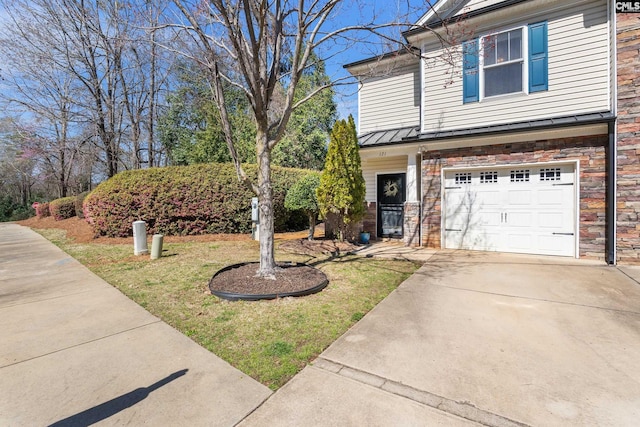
[{"x": 118, "y": 404}]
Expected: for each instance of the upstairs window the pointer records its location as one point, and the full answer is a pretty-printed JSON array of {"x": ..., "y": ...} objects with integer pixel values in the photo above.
[
  {"x": 503, "y": 63},
  {"x": 513, "y": 61}
]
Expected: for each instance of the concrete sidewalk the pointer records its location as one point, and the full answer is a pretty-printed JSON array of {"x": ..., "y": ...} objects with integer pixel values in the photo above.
[{"x": 75, "y": 351}]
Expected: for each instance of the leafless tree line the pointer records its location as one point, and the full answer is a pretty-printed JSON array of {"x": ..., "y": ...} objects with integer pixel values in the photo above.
[{"x": 82, "y": 81}]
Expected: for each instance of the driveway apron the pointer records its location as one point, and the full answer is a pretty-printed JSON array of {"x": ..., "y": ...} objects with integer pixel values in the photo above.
[{"x": 493, "y": 339}]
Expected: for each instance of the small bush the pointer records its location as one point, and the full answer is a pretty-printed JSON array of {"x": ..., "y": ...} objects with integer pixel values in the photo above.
[
  {"x": 183, "y": 200},
  {"x": 10, "y": 210},
  {"x": 79, "y": 200},
  {"x": 63, "y": 208},
  {"x": 42, "y": 209}
]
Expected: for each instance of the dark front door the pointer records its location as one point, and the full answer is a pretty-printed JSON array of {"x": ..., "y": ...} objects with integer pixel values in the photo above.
[{"x": 391, "y": 198}]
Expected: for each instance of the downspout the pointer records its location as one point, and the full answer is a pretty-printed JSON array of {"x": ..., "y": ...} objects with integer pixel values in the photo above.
[
  {"x": 611, "y": 194},
  {"x": 612, "y": 161}
]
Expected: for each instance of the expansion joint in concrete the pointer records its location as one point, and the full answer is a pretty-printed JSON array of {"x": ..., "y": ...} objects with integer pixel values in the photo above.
[
  {"x": 463, "y": 409},
  {"x": 81, "y": 344}
]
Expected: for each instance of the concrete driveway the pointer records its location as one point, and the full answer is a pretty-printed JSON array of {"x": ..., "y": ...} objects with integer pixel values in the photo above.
[{"x": 477, "y": 338}]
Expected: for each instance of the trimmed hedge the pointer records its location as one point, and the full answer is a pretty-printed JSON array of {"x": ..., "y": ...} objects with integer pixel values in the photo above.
[
  {"x": 63, "y": 208},
  {"x": 184, "y": 200}
]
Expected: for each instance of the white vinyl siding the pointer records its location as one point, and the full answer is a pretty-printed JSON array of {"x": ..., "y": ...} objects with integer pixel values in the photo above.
[
  {"x": 373, "y": 166},
  {"x": 392, "y": 101},
  {"x": 578, "y": 40}
]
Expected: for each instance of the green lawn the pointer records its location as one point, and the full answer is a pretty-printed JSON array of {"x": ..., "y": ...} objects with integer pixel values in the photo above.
[{"x": 269, "y": 340}]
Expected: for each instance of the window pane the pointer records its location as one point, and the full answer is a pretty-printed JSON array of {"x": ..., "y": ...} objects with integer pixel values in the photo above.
[
  {"x": 502, "y": 47},
  {"x": 489, "y": 47},
  {"x": 503, "y": 79},
  {"x": 515, "y": 48}
]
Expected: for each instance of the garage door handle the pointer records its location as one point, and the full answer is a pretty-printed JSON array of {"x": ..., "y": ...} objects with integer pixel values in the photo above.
[
  {"x": 452, "y": 229},
  {"x": 563, "y": 234},
  {"x": 452, "y": 188},
  {"x": 565, "y": 183}
]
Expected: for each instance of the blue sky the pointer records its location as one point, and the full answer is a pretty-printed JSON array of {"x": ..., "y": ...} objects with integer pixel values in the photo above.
[{"x": 357, "y": 12}]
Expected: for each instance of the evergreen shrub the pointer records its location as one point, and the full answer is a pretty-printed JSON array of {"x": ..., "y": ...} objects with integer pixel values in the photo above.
[
  {"x": 63, "y": 208},
  {"x": 186, "y": 200}
]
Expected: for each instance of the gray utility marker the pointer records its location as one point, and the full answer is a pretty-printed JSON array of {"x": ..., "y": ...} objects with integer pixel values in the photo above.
[{"x": 156, "y": 246}]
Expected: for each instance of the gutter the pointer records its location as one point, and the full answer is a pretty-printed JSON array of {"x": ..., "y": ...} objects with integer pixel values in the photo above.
[{"x": 464, "y": 16}]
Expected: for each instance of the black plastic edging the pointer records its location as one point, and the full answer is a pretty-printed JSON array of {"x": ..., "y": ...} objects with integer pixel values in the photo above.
[{"x": 233, "y": 296}]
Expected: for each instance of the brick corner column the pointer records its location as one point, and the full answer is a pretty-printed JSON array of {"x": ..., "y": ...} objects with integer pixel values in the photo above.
[{"x": 628, "y": 137}]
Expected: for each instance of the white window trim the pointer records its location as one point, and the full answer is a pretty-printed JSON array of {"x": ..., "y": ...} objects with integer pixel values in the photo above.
[{"x": 525, "y": 63}]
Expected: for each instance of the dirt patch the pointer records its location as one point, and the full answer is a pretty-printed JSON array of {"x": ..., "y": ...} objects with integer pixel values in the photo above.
[{"x": 241, "y": 280}]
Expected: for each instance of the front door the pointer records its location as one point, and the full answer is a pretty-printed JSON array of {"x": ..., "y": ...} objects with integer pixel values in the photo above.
[{"x": 391, "y": 198}]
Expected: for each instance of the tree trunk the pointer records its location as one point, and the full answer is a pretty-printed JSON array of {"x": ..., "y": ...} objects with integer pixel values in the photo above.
[
  {"x": 312, "y": 225},
  {"x": 152, "y": 101},
  {"x": 265, "y": 201}
]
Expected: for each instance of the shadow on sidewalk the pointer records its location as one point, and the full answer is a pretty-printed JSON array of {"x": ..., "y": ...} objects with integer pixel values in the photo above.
[{"x": 113, "y": 406}]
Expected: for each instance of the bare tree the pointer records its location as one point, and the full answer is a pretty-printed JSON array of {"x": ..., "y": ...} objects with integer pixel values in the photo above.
[
  {"x": 17, "y": 167},
  {"x": 44, "y": 93},
  {"x": 263, "y": 48},
  {"x": 105, "y": 54}
]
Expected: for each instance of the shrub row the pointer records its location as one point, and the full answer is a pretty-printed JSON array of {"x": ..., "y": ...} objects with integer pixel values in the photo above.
[
  {"x": 42, "y": 209},
  {"x": 63, "y": 208},
  {"x": 183, "y": 200}
]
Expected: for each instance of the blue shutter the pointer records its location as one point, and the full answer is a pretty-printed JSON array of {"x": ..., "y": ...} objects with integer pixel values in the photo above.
[
  {"x": 538, "y": 57},
  {"x": 470, "y": 75}
]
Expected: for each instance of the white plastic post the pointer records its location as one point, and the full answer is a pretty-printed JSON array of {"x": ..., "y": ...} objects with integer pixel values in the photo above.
[
  {"x": 255, "y": 218},
  {"x": 140, "y": 238}
]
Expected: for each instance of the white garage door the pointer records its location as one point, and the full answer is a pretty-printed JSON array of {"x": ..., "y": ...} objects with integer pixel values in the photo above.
[{"x": 519, "y": 209}]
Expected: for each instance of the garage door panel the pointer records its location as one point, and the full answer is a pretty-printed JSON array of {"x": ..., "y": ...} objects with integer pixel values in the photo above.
[
  {"x": 554, "y": 244},
  {"x": 554, "y": 221},
  {"x": 491, "y": 218},
  {"x": 457, "y": 199},
  {"x": 518, "y": 242},
  {"x": 519, "y": 197},
  {"x": 520, "y": 209},
  {"x": 468, "y": 239},
  {"x": 489, "y": 198},
  {"x": 518, "y": 219},
  {"x": 553, "y": 196}
]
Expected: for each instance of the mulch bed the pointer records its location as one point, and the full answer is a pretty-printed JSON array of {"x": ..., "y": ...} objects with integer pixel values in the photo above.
[
  {"x": 240, "y": 280},
  {"x": 318, "y": 247}
]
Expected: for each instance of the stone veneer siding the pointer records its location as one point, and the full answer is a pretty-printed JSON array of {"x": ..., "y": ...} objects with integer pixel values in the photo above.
[
  {"x": 411, "y": 224},
  {"x": 589, "y": 150},
  {"x": 628, "y": 137},
  {"x": 369, "y": 222}
]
